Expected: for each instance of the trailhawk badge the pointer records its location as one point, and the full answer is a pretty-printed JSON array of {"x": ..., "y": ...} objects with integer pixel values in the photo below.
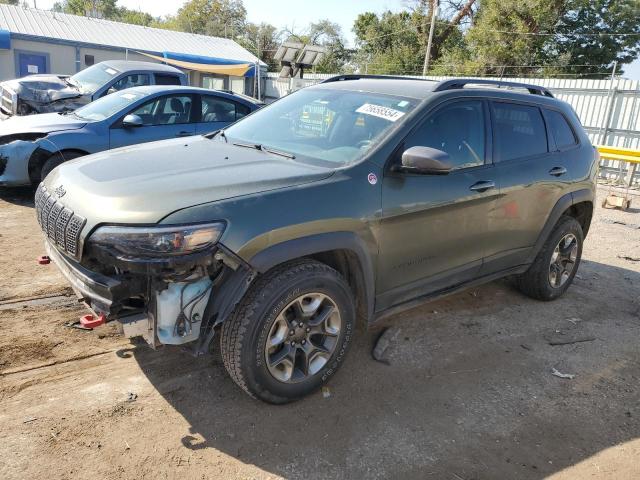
[{"x": 373, "y": 179}]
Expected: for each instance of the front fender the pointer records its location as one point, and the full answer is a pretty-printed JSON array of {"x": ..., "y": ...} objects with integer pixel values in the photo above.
[{"x": 320, "y": 243}]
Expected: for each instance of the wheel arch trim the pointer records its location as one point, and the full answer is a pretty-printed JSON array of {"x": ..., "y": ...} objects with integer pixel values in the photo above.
[
  {"x": 562, "y": 205},
  {"x": 321, "y": 243}
]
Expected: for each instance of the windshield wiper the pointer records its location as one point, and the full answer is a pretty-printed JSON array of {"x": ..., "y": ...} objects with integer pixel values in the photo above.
[
  {"x": 277, "y": 152},
  {"x": 262, "y": 148},
  {"x": 217, "y": 132},
  {"x": 72, "y": 83}
]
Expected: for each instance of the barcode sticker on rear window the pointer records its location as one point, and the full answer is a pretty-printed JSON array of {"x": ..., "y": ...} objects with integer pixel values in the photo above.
[{"x": 380, "y": 112}]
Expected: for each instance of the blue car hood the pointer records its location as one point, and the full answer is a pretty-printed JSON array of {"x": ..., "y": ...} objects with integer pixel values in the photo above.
[{"x": 43, "y": 123}]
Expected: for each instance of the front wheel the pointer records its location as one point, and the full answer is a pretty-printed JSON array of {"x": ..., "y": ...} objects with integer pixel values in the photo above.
[
  {"x": 557, "y": 262},
  {"x": 290, "y": 333}
]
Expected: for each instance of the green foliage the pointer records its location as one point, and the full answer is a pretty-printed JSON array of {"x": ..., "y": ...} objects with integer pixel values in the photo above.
[
  {"x": 262, "y": 40},
  {"x": 10, "y": 2},
  {"x": 390, "y": 43},
  {"x": 94, "y": 8},
  {"x": 329, "y": 35},
  {"x": 219, "y": 18},
  {"x": 107, "y": 9},
  {"x": 601, "y": 16},
  {"x": 546, "y": 37}
]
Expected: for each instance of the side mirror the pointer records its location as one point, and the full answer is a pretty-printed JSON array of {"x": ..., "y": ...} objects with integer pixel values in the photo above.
[
  {"x": 132, "y": 121},
  {"x": 425, "y": 161},
  {"x": 111, "y": 90}
]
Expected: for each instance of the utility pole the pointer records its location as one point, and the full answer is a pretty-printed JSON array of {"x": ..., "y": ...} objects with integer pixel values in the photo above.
[{"x": 427, "y": 54}]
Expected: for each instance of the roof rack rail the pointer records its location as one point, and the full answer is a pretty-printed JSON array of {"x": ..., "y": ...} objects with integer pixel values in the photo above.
[
  {"x": 460, "y": 83},
  {"x": 357, "y": 76}
]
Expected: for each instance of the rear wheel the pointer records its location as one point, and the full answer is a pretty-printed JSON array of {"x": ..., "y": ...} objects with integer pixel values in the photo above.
[
  {"x": 290, "y": 333},
  {"x": 556, "y": 265},
  {"x": 56, "y": 159}
]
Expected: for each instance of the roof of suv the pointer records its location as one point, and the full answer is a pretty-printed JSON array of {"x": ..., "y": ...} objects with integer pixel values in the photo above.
[
  {"x": 422, "y": 88},
  {"x": 126, "y": 65}
]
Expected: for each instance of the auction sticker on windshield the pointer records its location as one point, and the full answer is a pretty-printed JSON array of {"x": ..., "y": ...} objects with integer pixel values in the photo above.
[{"x": 380, "y": 112}]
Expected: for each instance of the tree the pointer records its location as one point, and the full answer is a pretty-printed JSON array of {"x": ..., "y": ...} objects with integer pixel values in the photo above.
[
  {"x": 220, "y": 18},
  {"x": 328, "y": 35},
  {"x": 10, "y": 2},
  {"x": 134, "y": 17},
  {"x": 576, "y": 43},
  {"x": 546, "y": 37},
  {"x": 396, "y": 42},
  {"x": 89, "y": 8},
  {"x": 262, "y": 40}
]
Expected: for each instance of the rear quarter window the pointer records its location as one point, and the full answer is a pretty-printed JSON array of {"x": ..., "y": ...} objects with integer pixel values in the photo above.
[
  {"x": 164, "y": 79},
  {"x": 560, "y": 129},
  {"x": 519, "y": 131}
]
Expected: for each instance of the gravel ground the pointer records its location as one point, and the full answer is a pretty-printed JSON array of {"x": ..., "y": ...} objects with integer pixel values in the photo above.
[{"x": 468, "y": 391}]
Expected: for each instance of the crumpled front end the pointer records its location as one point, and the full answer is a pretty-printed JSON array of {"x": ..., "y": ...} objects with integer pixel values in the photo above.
[
  {"x": 34, "y": 95},
  {"x": 169, "y": 301}
]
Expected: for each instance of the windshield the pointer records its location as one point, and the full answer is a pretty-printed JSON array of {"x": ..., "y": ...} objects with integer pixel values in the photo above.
[
  {"x": 108, "y": 106},
  {"x": 91, "y": 79},
  {"x": 328, "y": 127}
]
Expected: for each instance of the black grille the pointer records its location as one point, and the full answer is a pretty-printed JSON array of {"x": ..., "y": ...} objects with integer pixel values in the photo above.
[{"x": 59, "y": 223}]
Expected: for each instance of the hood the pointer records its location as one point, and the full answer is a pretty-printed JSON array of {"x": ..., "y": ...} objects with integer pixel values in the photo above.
[
  {"x": 42, "y": 89},
  {"x": 43, "y": 123},
  {"x": 145, "y": 183}
]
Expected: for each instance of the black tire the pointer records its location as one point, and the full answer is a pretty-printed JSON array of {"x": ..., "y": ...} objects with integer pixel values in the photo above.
[
  {"x": 56, "y": 159},
  {"x": 243, "y": 337},
  {"x": 536, "y": 282}
]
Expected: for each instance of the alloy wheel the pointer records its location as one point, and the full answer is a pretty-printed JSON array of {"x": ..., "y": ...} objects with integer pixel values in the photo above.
[
  {"x": 563, "y": 260},
  {"x": 302, "y": 338}
]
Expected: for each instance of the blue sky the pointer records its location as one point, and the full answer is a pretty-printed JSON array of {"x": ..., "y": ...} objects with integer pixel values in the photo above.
[{"x": 296, "y": 14}]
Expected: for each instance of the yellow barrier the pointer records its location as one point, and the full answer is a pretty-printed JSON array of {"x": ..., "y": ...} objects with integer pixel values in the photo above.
[{"x": 630, "y": 155}]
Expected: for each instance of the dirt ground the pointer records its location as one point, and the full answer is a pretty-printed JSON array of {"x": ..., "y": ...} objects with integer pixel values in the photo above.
[{"x": 468, "y": 392}]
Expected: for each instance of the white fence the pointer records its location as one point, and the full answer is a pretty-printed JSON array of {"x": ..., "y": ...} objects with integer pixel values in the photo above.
[{"x": 609, "y": 109}]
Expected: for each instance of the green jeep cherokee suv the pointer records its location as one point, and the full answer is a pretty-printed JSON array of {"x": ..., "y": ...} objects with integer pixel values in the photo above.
[{"x": 341, "y": 203}]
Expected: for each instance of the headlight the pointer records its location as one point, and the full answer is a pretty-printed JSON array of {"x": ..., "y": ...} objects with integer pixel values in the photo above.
[{"x": 158, "y": 241}]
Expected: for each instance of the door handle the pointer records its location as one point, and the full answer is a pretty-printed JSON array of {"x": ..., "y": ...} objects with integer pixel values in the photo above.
[
  {"x": 557, "y": 171},
  {"x": 184, "y": 134},
  {"x": 482, "y": 186}
]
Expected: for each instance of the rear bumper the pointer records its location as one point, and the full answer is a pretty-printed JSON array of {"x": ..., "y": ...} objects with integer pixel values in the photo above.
[{"x": 99, "y": 292}]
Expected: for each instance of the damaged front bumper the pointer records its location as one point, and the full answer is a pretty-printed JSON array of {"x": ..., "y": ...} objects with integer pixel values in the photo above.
[
  {"x": 14, "y": 163},
  {"x": 165, "y": 306}
]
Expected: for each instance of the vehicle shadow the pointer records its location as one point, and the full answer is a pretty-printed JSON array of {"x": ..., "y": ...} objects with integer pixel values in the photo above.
[
  {"x": 468, "y": 392},
  {"x": 22, "y": 196}
]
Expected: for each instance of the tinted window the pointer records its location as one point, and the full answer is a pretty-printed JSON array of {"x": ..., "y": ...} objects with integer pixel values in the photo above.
[
  {"x": 519, "y": 131},
  {"x": 216, "y": 109},
  {"x": 135, "y": 80},
  {"x": 163, "y": 79},
  {"x": 560, "y": 129},
  {"x": 457, "y": 129},
  {"x": 168, "y": 110}
]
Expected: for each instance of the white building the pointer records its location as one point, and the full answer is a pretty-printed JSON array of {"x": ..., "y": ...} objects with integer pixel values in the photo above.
[{"x": 41, "y": 41}]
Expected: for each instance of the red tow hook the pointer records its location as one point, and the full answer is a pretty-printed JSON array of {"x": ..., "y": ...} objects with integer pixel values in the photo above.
[
  {"x": 44, "y": 260},
  {"x": 89, "y": 321}
]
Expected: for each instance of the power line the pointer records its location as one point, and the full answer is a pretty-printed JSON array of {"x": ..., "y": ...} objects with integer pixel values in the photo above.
[{"x": 508, "y": 32}]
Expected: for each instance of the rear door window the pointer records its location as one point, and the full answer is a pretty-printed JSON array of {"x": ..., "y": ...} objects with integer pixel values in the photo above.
[
  {"x": 519, "y": 131},
  {"x": 560, "y": 129},
  {"x": 216, "y": 109}
]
